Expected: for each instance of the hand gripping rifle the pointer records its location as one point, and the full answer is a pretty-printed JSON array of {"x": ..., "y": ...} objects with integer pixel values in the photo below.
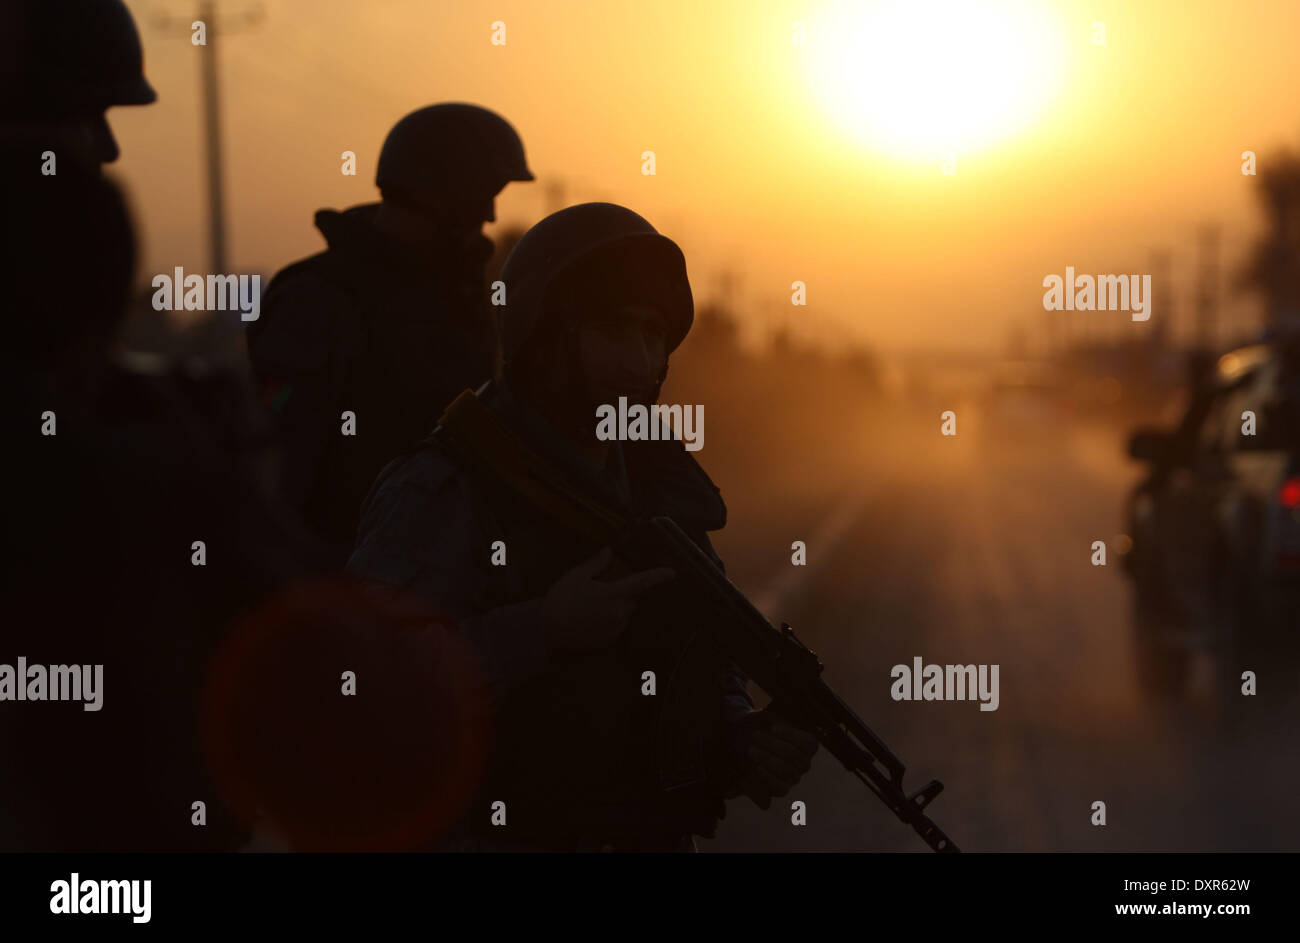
[{"x": 773, "y": 658}]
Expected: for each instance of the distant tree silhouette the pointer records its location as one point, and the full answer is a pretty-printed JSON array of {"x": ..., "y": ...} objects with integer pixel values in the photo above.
[{"x": 1273, "y": 268}]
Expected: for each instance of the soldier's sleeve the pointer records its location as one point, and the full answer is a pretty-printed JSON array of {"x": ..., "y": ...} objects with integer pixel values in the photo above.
[
  {"x": 299, "y": 370},
  {"x": 418, "y": 536}
]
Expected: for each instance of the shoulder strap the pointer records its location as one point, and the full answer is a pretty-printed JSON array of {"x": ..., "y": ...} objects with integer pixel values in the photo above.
[{"x": 475, "y": 438}]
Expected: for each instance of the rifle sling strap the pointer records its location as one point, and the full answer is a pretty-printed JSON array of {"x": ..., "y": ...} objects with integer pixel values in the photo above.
[{"x": 476, "y": 435}]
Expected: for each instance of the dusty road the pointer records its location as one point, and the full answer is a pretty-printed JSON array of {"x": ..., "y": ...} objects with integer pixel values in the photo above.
[{"x": 975, "y": 550}]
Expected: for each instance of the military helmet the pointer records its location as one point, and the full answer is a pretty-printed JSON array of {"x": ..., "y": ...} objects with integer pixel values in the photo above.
[
  {"x": 598, "y": 244},
  {"x": 449, "y": 149},
  {"x": 70, "y": 56}
]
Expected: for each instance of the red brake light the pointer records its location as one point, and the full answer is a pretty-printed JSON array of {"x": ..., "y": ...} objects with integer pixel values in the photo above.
[{"x": 1290, "y": 494}]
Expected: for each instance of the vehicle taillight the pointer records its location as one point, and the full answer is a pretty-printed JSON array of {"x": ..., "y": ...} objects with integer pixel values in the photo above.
[{"x": 1290, "y": 494}]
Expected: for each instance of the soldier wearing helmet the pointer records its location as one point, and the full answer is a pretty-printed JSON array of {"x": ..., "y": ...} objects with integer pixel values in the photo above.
[
  {"x": 139, "y": 459},
  {"x": 62, "y": 65},
  {"x": 391, "y": 320},
  {"x": 597, "y": 300}
]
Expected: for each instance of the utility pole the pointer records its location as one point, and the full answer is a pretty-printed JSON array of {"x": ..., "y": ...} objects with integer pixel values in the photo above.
[
  {"x": 208, "y": 78},
  {"x": 212, "y": 129}
]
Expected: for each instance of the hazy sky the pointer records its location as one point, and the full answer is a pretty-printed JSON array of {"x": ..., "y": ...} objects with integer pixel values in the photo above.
[{"x": 819, "y": 161}]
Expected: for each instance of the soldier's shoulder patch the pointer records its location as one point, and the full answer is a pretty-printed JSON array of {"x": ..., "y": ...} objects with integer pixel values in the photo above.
[
  {"x": 437, "y": 470},
  {"x": 425, "y": 467}
]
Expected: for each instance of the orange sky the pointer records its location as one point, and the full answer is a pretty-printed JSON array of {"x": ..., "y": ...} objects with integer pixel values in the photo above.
[{"x": 1140, "y": 144}]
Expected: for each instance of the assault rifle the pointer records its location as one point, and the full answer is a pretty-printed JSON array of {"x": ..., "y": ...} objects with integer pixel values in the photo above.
[{"x": 773, "y": 658}]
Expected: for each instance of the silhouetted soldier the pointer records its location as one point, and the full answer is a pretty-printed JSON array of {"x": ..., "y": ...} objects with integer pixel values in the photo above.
[
  {"x": 597, "y": 300},
  {"x": 62, "y": 65},
  {"x": 392, "y": 320},
  {"x": 117, "y": 475},
  {"x": 137, "y": 537},
  {"x": 122, "y": 463}
]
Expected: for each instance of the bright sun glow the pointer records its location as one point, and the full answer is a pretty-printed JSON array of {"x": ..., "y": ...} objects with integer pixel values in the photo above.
[{"x": 925, "y": 79}]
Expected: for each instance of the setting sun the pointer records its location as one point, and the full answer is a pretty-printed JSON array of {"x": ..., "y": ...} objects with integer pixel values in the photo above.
[{"x": 925, "y": 79}]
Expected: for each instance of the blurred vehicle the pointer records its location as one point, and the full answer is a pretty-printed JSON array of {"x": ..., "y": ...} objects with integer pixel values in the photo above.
[{"x": 1215, "y": 529}]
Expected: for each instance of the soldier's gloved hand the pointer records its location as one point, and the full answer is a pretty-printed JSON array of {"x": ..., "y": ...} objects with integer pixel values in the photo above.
[
  {"x": 773, "y": 755},
  {"x": 584, "y": 614}
]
